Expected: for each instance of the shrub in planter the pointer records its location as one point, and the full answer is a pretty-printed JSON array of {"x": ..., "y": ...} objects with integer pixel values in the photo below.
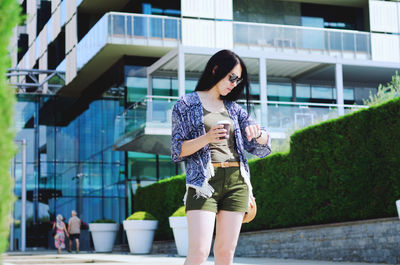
[
  {"x": 104, "y": 232},
  {"x": 140, "y": 228},
  {"x": 104, "y": 221},
  {"x": 178, "y": 223}
]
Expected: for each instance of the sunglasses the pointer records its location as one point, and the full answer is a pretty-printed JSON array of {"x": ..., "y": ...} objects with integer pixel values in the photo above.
[{"x": 234, "y": 78}]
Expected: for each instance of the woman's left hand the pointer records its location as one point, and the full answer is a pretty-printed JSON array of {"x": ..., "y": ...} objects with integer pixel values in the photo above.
[{"x": 252, "y": 131}]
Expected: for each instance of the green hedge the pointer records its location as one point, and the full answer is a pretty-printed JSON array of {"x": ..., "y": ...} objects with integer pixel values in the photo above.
[
  {"x": 161, "y": 199},
  {"x": 340, "y": 170},
  {"x": 9, "y": 10}
]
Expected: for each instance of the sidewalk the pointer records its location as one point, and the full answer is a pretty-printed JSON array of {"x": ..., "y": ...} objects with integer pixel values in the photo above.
[{"x": 49, "y": 258}]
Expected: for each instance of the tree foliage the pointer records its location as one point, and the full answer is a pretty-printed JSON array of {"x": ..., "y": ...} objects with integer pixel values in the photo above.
[
  {"x": 9, "y": 10},
  {"x": 385, "y": 93}
]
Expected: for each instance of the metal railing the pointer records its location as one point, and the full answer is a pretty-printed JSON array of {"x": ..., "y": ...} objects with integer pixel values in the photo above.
[
  {"x": 126, "y": 25},
  {"x": 330, "y": 42},
  {"x": 151, "y": 111},
  {"x": 127, "y": 28},
  {"x": 35, "y": 81},
  {"x": 149, "y": 30},
  {"x": 276, "y": 116}
]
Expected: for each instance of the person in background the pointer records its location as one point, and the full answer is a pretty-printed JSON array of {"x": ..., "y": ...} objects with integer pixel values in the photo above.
[
  {"x": 59, "y": 237},
  {"x": 217, "y": 174},
  {"x": 74, "y": 229}
]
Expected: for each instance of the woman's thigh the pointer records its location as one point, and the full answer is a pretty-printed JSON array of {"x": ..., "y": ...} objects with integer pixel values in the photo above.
[
  {"x": 228, "y": 229},
  {"x": 200, "y": 228}
]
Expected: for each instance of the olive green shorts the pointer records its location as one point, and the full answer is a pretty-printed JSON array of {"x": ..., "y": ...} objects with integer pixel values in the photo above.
[{"x": 231, "y": 193}]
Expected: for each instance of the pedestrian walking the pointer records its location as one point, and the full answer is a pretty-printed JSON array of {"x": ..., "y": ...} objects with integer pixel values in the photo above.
[
  {"x": 59, "y": 237},
  {"x": 211, "y": 132},
  {"x": 74, "y": 229}
]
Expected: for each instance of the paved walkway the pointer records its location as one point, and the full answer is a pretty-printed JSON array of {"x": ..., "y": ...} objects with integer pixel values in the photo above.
[{"x": 49, "y": 258}]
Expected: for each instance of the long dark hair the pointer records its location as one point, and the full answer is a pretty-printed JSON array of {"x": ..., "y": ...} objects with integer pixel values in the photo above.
[{"x": 219, "y": 65}]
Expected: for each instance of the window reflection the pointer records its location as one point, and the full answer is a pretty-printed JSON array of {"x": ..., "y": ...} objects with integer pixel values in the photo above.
[
  {"x": 69, "y": 166},
  {"x": 163, "y": 86},
  {"x": 279, "y": 92}
]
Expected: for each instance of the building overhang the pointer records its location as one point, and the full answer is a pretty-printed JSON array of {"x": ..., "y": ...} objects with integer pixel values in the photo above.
[
  {"x": 146, "y": 139},
  {"x": 102, "y": 61},
  {"x": 279, "y": 66},
  {"x": 101, "y": 6},
  {"x": 353, "y": 3}
]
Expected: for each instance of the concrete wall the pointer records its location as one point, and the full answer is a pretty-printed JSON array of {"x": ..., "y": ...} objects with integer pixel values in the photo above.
[
  {"x": 375, "y": 240},
  {"x": 385, "y": 24}
]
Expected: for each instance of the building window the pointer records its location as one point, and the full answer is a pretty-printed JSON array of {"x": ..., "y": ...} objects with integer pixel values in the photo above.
[
  {"x": 303, "y": 93},
  {"x": 165, "y": 86},
  {"x": 322, "y": 92},
  {"x": 279, "y": 92}
]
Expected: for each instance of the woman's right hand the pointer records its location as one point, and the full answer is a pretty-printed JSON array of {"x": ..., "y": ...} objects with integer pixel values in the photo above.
[
  {"x": 191, "y": 146},
  {"x": 216, "y": 133}
]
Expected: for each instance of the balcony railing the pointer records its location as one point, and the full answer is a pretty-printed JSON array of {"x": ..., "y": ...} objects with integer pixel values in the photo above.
[
  {"x": 277, "y": 117},
  {"x": 331, "y": 42},
  {"x": 151, "y": 111},
  {"x": 285, "y": 117},
  {"x": 151, "y": 30},
  {"x": 127, "y": 25},
  {"x": 127, "y": 28}
]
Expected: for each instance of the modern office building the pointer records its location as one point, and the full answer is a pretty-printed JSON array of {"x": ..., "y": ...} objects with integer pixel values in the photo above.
[{"x": 97, "y": 79}]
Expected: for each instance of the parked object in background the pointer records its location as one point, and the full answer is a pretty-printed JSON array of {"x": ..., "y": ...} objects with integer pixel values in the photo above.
[
  {"x": 140, "y": 228},
  {"x": 179, "y": 225},
  {"x": 104, "y": 232},
  {"x": 398, "y": 207}
]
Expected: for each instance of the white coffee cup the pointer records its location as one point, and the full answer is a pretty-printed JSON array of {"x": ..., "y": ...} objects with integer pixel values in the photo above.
[{"x": 226, "y": 124}]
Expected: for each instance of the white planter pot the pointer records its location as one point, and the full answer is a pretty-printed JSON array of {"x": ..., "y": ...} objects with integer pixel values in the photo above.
[
  {"x": 398, "y": 207},
  {"x": 140, "y": 234},
  {"x": 103, "y": 235},
  {"x": 179, "y": 226}
]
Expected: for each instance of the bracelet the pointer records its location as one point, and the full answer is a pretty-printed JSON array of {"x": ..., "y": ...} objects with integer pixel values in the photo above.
[{"x": 256, "y": 138}]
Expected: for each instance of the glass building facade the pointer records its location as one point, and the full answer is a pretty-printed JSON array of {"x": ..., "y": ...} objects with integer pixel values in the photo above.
[{"x": 70, "y": 166}]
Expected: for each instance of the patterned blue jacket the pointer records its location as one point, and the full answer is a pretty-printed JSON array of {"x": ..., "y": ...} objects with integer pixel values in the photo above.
[{"x": 188, "y": 123}]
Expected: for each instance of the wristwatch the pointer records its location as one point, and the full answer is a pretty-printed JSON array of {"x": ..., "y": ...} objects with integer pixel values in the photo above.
[{"x": 259, "y": 135}]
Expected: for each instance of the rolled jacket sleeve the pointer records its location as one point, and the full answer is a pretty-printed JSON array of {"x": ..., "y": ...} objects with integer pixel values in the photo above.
[
  {"x": 179, "y": 134},
  {"x": 253, "y": 147}
]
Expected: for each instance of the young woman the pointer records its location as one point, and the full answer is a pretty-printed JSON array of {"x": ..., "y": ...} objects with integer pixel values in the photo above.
[
  {"x": 217, "y": 174},
  {"x": 59, "y": 237}
]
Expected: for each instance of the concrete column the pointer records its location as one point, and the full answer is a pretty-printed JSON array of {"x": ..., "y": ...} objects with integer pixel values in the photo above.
[
  {"x": 339, "y": 87},
  {"x": 71, "y": 41},
  {"x": 181, "y": 71},
  {"x": 31, "y": 13},
  {"x": 149, "y": 84},
  {"x": 23, "y": 197},
  {"x": 43, "y": 66},
  {"x": 294, "y": 96},
  {"x": 263, "y": 90}
]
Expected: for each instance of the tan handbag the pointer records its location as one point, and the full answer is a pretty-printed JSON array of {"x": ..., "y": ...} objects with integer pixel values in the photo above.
[{"x": 251, "y": 213}]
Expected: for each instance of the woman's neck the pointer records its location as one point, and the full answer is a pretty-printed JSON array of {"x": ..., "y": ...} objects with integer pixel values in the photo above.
[
  {"x": 211, "y": 95},
  {"x": 211, "y": 100}
]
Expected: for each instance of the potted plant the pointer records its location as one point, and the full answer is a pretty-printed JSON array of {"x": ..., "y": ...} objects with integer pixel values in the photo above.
[
  {"x": 140, "y": 228},
  {"x": 179, "y": 225},
  {"x": 104, "y": 232}
]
